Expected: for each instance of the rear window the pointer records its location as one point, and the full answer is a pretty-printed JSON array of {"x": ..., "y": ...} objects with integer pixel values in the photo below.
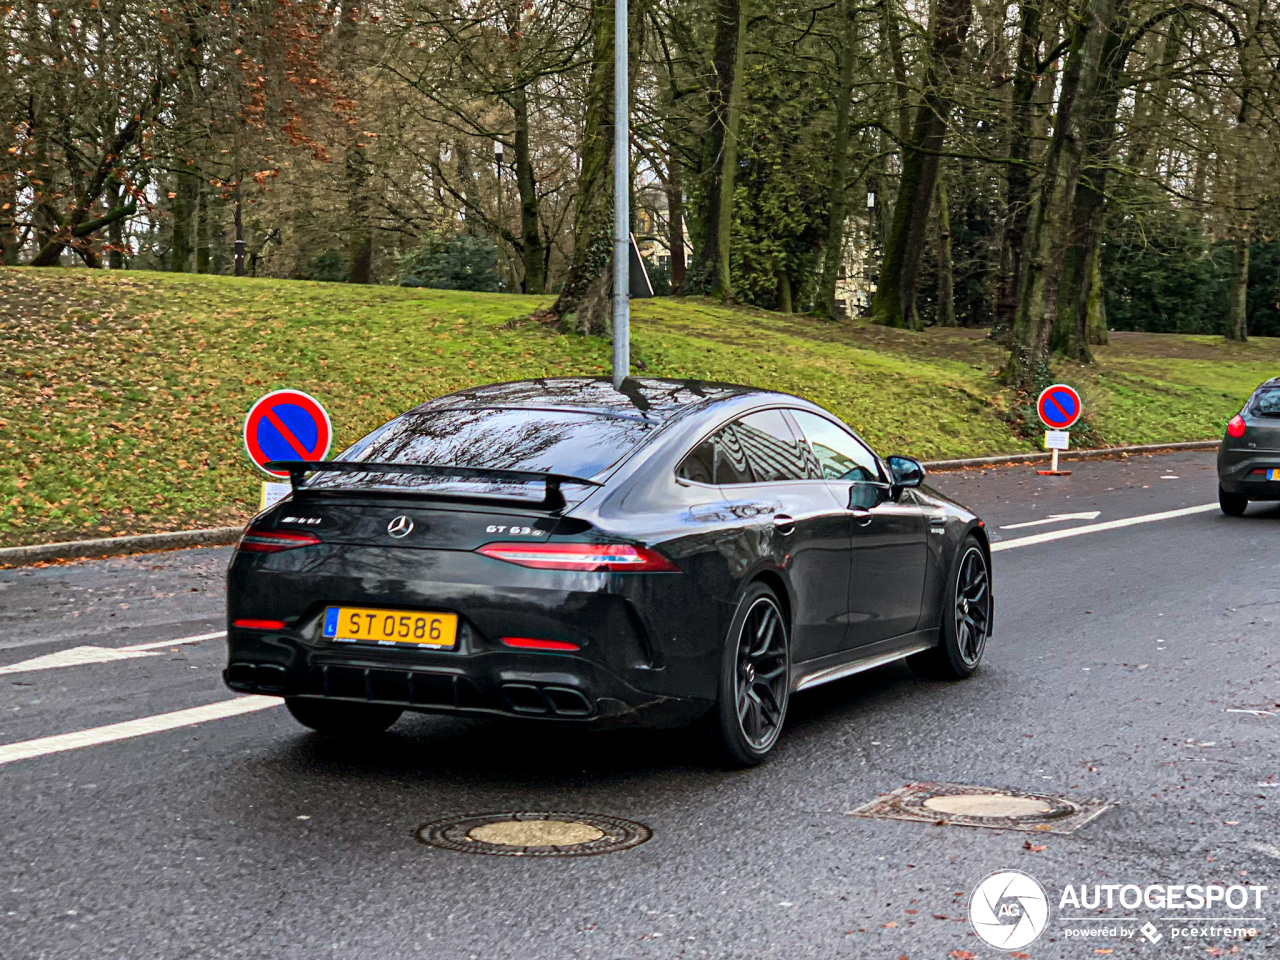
[
  {"x": 1266, "y": 402},
  {"x": 551, "y": 441}
]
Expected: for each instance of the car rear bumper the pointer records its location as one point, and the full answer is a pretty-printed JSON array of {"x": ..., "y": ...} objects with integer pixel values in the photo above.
[
  {"x": 502, "y": 683},
  {"x": 1235, "y": 473},
  {"x": 648, "y": 650}
]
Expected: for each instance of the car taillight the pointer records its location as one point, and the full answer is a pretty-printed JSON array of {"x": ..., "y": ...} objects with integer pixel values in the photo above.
[
  {"x": 617, "y": 557},
  {"x": 1236, "y": 427},
  {"x": 251, "y": 624},
  {"x": 537, "y": 643},
  {"x": 273, "y": 541}
]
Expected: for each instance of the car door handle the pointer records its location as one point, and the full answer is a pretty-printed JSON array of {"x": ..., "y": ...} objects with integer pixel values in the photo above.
[
  {"x": 784, "y": 524},
  {"x": 861, "y": 516}
]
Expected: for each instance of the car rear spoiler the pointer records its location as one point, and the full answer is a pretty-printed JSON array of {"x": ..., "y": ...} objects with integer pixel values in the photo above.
[{"x": 552, "y": 499}]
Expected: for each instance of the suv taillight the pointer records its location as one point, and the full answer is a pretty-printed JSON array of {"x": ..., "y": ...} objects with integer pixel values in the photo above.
[
  {"x": 1236, "y": 427},
  {"x": 256, "y": 540},
  {"x": 615, "y": 557}
]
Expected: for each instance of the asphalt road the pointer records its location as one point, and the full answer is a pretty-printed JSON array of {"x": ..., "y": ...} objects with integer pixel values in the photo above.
[{"x": 1120, "y": 662}]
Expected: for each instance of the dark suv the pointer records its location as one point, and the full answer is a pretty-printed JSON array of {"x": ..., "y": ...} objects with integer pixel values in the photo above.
[{"x": 1249, "y": 458}]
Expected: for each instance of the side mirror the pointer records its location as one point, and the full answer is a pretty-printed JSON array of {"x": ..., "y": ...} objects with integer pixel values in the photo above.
[
  {"x": 906, "y": 471},
  {"x": 865, "y": 494}
]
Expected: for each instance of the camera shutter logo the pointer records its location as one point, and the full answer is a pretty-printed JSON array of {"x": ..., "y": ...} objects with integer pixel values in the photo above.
[
  {"x": 1009, "y": 910},
  {"x": 401, "y": 526}
]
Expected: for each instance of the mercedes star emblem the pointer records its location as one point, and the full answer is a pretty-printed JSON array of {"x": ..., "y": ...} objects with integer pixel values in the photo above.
[{"x": 401, "y": 526}]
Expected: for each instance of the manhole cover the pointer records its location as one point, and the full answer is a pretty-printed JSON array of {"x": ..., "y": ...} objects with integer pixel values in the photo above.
[
  {"x": 989, "y": 805},
  {"x": 529, "y": 834},
  {"x": 969, "y": 806}
]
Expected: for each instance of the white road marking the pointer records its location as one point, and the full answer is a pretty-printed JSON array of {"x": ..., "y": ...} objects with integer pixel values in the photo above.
[
  {"x": 134, "y": 728},
  {"x": 80, "y": 656},
  {"x": 75, "y": 657},
  {"x": 1055, "y": 518},
  {"x": 1099, "y": 527},
  {"x": 158, "y": 644}
]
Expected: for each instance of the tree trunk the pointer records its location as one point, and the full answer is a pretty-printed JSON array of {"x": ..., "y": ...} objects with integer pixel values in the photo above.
[
  {"x": 115, "y": 230},
  {"x": 1049, "y": 219},
  {"x": 1017, "y": 172},
  {"x": 706, "y": 264},
  {"x": 893, "y": 47},
  {"x": 1238, "y": 301},
  {"x": 1096, "y": 302},
  {"x": 360, "y": 236},
  {"x": 722, "y": 286},
  {"x": 532, "y": 251},
  {"x": 9, "y": 233},
  {"x": 356, "y": 165},
  {"x": 1084, "y": 230},
  {"x": 946, "y": 279},
  {"x": 675, "y": 219},
  {"x": 584, "y": 303},
  {"x": 1237, "y": 320},
  {"x": 187, "y": 194},
  {"x": 784, "y": 290},
  {"x": 894, "y": 303},
  {"x": 833, "y": 255},
  {"x": 204, "y": 229}
]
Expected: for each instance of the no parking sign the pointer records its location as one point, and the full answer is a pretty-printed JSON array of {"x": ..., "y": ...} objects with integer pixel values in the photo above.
[
  {"x": 286, "y": 425},
  {"x": 1059, "y": 406}
]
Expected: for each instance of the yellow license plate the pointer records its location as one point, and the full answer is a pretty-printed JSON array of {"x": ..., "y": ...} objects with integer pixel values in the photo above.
[{"x": 352, "y": 624}]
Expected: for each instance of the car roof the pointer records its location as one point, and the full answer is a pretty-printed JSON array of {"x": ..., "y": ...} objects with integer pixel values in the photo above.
[{"x": 656, "y": 399}]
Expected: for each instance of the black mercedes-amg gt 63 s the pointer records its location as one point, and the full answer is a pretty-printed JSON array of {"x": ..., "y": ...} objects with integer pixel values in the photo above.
[{"x": 674, "y": 552}]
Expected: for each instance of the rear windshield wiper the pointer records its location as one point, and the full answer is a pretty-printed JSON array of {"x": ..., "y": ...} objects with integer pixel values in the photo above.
[{"x": 552, "y": 499}]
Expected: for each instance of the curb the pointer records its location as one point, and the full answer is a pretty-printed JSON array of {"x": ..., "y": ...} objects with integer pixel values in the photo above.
[
  {"x": 118, "y": 546},
  {"x": 941, "y": 466},
  {"x": 222, "y": 536}
]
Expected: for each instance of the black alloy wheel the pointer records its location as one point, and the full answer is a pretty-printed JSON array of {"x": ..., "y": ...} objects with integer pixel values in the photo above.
[
  {"x": 966, "y": 618},
  {"x": 972, "y": 605},
  {"x": 755, "y": 681},
  {"x": 762, "y": 674}
]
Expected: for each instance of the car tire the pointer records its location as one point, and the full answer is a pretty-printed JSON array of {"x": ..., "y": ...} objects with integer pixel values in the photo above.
[
  {"x": 339, "y": 718},
  {"x": 1232, "y": 504},
  {"x": 967, "y": 610},
  {"x": 755, "y": 681}
]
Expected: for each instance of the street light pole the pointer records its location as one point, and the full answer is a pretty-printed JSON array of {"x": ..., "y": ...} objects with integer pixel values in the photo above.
[{"x": 621, "y": 200}]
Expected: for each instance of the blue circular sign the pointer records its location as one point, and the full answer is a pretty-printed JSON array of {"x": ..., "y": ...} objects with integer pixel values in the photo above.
[
  {"x": 1059, "y": 406},
  {"x": 286, "y": 425}
]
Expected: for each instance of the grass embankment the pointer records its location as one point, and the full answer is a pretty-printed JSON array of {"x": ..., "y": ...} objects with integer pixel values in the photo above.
[{"x": 122, "y": 396}]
